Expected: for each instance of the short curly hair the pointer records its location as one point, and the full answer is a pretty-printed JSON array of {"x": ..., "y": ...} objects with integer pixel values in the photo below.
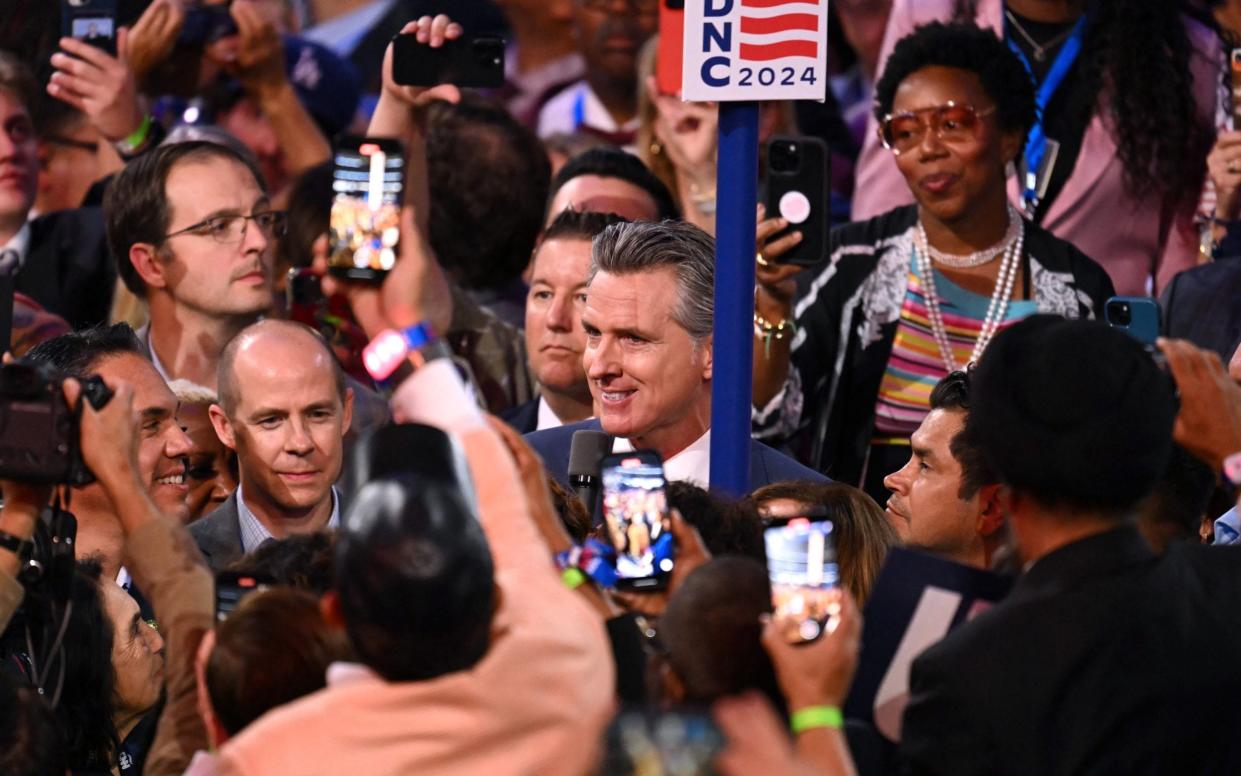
[{"x": 965, "y": 47}]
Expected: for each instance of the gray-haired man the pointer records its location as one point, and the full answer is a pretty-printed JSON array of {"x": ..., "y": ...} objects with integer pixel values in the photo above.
[{"x": 648, "y": 356}]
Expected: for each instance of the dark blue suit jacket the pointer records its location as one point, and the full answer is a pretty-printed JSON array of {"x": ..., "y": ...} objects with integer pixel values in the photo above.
[
  {"x": 766, "y": 465},
  {"x": 524, "y": 418}
]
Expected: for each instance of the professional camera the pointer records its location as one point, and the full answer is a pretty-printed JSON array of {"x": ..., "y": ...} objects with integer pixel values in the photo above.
[{"x": 39, "y": 432}]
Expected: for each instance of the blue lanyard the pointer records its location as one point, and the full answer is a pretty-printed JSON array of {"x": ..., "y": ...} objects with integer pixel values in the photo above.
[
  {"x": 579, "y": 110},
  {"x": 1036, "y": 142}
]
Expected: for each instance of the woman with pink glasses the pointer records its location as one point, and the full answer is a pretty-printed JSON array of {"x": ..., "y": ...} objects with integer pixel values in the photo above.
[{"x": 846, "y": 355}]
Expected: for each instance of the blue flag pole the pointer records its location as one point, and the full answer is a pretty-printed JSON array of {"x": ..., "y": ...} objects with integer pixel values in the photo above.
[{"x": 731, "y": 385}]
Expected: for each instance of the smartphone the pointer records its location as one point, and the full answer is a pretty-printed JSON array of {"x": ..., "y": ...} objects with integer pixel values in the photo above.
[
  {"x": 368, "y": 183},
  {"x": 90, "y": 21},
  {"x": 635, "y": 515},
  {"x": 475, "y": 62},
  {"x": 231, "y": 588},
  {"x": 805, "y": 581},
  {"x": 797, "y": 186},
  {"x": 669, "y": 57},
  {"x": 1234, "y": 62},
  {"x": 206, "y": 24},
  {"x": 1138, "y": 316},
  {"x": 684, "y": 742}
]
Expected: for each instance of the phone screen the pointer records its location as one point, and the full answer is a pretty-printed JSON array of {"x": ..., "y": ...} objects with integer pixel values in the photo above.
[
  {"x": 805, "y": 582},
  {"x": 635, "y": 511},
  {"x": 368, "y": 179},
  {"x": 231, "y": 588},
  {"x": 683, "y": 742}
]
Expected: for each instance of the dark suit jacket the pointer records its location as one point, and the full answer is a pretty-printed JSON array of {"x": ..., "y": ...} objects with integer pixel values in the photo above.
[
  {"x": 218, "y": 535},
  {"x": 524, "y": 418},
  {"x": 1203, "y": 305},
  {"x": 766, "y": 465},
  {"x": 68, "y": 268},
  {"x": 1103, "y": 660}
]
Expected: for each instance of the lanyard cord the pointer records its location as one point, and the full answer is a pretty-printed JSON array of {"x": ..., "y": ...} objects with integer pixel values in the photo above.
[{"x": 1036, "y": 141}]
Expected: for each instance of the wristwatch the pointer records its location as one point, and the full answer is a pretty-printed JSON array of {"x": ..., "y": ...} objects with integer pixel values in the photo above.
[
  {"x": 1232, "y": 470},
  {"x": 12, "y": 543},
  {"x": 415, "y": 346}
]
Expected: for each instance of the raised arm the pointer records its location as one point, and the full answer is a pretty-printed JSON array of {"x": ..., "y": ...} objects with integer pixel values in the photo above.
[{"x": 166, "y": 565}]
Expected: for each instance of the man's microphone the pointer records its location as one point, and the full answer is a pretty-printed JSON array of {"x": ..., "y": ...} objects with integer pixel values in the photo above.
[{"x": 585, "y": 452}]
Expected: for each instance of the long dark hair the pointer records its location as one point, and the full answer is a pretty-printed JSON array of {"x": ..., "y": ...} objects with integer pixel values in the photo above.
[
  {"x": 1139, "y": 51},
  {"x": 86, "y": 704}
]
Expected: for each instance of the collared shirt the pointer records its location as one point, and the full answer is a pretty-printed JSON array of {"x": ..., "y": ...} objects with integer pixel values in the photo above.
[
  {"x": 692, "y": 465},
  {"x": 254, "y": 533},
  {"x": 547, "y": 416},
  {"x": 20, "y": 243},
  {"x": 578, "y": 106},
  {"x": 1228, "y": 528},
  {"x": 159, "y": 365}
]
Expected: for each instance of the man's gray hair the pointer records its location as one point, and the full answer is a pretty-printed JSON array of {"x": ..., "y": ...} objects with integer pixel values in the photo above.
[{"x": 643, "y": 246}]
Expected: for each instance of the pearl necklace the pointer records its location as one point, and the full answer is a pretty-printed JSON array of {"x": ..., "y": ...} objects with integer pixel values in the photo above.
[
  {"x": 977, "y": 258},
  {"x": 995, "y": 310}
]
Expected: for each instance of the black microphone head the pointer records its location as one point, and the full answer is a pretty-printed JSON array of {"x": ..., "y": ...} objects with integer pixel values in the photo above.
[{"x": 585, "y": 452}]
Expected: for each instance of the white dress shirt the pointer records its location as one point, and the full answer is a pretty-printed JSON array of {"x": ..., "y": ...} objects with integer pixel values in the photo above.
[{"x": 692, "y": 465}]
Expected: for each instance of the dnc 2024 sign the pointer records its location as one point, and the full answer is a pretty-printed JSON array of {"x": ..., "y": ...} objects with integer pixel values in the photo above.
[{"x": 755, "y": 50}]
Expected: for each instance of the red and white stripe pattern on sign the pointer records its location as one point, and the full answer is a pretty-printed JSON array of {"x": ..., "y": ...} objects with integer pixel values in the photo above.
[{"x": 775, "y": 29}]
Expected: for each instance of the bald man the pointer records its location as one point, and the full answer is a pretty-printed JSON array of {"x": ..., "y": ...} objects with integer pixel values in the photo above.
[{"x": 284, "y": 409}]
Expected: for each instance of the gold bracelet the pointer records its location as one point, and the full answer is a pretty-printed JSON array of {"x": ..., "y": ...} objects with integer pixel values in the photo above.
[{"x": 767, "y": 331}]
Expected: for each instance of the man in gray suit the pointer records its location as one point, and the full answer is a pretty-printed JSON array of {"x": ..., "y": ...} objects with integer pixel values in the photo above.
[{"x": 284, "y": 408}]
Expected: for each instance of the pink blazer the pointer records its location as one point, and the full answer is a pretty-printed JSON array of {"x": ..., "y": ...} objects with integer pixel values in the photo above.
[{"x": 1140, "y": 248}]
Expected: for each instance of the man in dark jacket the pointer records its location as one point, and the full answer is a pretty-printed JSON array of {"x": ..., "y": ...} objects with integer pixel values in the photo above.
[{"x": 1104, "y": 658}]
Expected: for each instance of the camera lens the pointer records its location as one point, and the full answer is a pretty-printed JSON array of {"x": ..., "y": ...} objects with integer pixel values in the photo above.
[
  {"x": 785, "y": 157},
  {"x": 1119, "y": 313}
]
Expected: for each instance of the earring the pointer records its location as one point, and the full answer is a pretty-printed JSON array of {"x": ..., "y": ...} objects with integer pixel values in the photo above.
[{"x": 656, "y": 148}]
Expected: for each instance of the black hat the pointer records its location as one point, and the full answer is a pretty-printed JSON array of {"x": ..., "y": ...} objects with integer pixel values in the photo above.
[
  {"x": 413, "y": 568},
  {"x": 1073, "y": 413}
]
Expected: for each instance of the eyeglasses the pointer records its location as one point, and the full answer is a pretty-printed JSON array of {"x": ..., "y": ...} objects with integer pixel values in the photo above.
[
  {"x": 231, "y": 229},
  {"x": 952, "y": 123},
  {"x": 641, "y": 6}
]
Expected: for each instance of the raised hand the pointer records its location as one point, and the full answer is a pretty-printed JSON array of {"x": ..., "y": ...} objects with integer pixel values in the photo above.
[{"x": 99, "y": 85}]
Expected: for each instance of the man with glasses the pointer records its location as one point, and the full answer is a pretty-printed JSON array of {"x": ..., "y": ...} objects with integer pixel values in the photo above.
[
  {"x": 193, "y": 231},
  {"x": 609, "y": 34}
]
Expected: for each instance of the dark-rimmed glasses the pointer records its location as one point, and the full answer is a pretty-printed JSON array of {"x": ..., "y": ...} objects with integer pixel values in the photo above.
[
  {"x": 951, "y": 123},
  {"x": 231, "y": 229}
]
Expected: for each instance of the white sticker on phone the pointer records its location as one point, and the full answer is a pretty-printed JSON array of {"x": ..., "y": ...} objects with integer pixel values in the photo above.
[{"x": 794, "y": 207}]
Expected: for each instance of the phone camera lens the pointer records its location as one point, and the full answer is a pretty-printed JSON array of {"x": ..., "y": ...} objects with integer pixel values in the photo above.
[
  {"x": 1119, "y": 313},
  {"x": 785, "y": 157}
]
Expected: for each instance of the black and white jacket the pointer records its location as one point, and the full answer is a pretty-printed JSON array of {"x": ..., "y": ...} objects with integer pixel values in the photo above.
[{"x": 846, "y": 314}]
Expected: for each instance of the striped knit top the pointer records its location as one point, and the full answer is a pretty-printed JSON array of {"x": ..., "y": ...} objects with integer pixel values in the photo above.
[{"x": 916, "y": 365}]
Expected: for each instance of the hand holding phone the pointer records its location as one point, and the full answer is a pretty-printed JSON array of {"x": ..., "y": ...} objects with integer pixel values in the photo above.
[
  {"x": 805, "y": 581},
  {"x": 90, "y": 21},
  {"x": 636, "y": 517},
  {"x": 476, "y": 62},
  {"x": 797, "y": 192}
]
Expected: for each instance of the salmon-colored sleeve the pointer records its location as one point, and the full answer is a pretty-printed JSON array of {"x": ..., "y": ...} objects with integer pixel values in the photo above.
[{"x": 169, "y": 570}]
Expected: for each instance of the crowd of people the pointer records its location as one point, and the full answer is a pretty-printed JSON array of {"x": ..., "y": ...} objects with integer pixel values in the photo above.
[{"x": 264, "y": 516}]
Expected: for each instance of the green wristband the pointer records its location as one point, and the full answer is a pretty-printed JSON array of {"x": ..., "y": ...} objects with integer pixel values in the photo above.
[
  {"x": 135, "y": 140},
  {"x": 573, "y": 578},
  {"x": 816, "y": 717}
]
